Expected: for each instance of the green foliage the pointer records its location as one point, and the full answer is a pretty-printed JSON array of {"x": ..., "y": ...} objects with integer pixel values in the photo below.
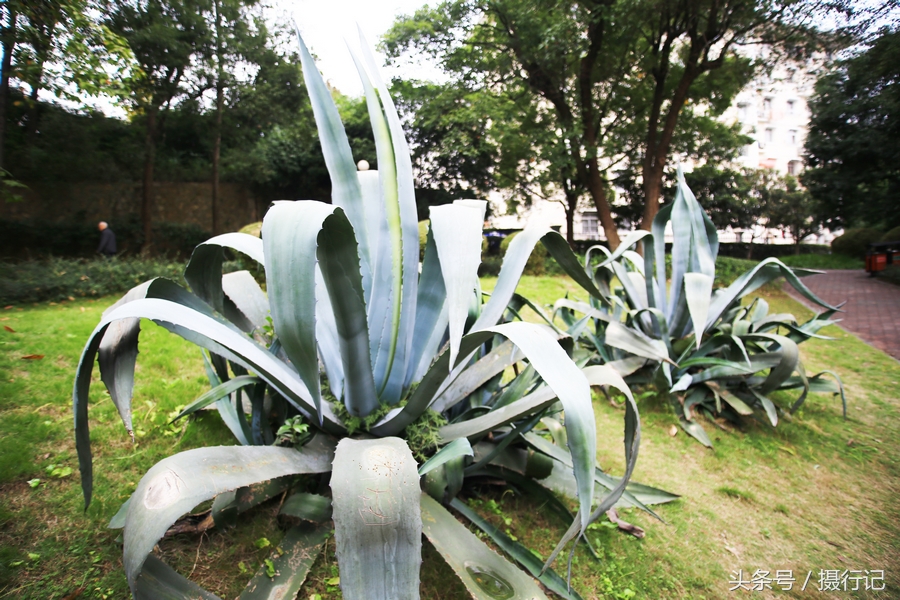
[
  {"x": 851, "y": 151},
  {"x": 822, "y": 261},
  {"x": 892, "y": 235},
  {"x": 855, "y": 242},
  {"x": 366, "y": 344},
  {"x": 536, "y": 263},
  {"x": 58, "y": 279},
  {"x": 706, "y": 352}
]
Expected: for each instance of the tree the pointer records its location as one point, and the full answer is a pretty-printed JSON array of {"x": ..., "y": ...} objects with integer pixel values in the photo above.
[
  {"x": 165, "y": 36},
  {"x": 236, "y": 38},
  {"x": 58, "y": 46},
  {"x": 852, "y": 153},
  {"x": 787, "y": 205},
  {"x": 609, "y": 78}
]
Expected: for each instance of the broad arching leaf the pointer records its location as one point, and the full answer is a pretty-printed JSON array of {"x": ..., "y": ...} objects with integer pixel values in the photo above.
[
  {"x": 377, "y": 523},
  {"x": 177, "y": 484}
]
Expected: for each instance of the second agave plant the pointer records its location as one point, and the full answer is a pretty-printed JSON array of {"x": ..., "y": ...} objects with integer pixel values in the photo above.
[{"x": 391, "y": 382}]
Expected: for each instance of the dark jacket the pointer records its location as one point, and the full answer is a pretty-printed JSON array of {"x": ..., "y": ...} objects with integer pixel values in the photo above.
[{"x": 107, "y": 245}]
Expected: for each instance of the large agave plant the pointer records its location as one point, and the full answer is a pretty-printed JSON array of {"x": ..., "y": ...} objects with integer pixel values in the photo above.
[
  {"x": 369, "y": 356},
  {"x": 702, "y": 348}
]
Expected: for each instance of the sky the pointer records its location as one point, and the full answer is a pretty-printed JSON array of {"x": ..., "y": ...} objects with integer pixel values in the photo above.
[{"x": 326, "y": 25}]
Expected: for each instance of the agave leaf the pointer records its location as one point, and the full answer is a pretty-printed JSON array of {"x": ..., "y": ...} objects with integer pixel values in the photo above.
[
  {"x": 197, "y": 328},
  {"x": 455, "y": 449},
  {"x": 764, "y": 272},
  {"x": 178, "y": 483},
  {"x": 485, "y": 574},
  {"x": 204, "y": 269},
  {"x": 432, "y": 316},
  {"x": 604, "y": 376},
  {"x": 698, "y": 293},
  {"x": 119, "y": 346},
  {"x": 472, "y": 378},
  {"x": 226, "y": 507},
  {"x": 244, "y": 293},
  {"x": 309, "y": 507},
  {"x": 696, "y": 431},
  {"x": 290, "y": 231},
  {"x": 768, "y": 406},
  {"x": 559, "y": 249},
  {"x": 159, "y": 581},
  {"x": 296, "y": 554},
  {"x": 628, "y": 366},
  {"x": 457, "y": 235},
  {"x": 232, "y": 414},
  {"x": 790, "y": 360},
  {"x": 220, "y": 391},
  {"x": 337, "y": 255},
  {"x": 520, "y": 553},
  {"x": 582, "y": 307},
  {"x": 378, "y": 527},
  {"x": 408, "y": 220},
  {"x": 691, "y": 252},
  {"x": 327, "y": 337},
  {"x": 387, "y": 272},
  {"x": 345, "y": 190},
  {"x": 733, "y": 401},
  {"x": 634, "y": 342},
  {"x": 655, "y": 256},
  {"x": 630, "y": 240}
]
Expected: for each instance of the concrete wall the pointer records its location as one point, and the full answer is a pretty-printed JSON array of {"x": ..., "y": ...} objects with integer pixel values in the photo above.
[{"x": 175, "y": 202}]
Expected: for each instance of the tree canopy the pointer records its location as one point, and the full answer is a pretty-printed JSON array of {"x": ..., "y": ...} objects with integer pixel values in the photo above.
[
  {"x": 852, "y": 150},
  {"x": 609, "y": 84}
]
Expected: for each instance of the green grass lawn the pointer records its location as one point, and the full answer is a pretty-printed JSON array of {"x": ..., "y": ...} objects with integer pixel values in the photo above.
[{"x": 816, "y": 493}]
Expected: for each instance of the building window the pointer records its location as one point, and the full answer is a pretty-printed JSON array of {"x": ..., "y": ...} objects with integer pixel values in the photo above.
[
  {"x": 767, "y": 108},
  {"x": 744, "y": 111},
  {"x": 589, "y": 227},
  {"x": 791, "y": 106},
  {"x": 792, "y": 137},
  {"x": 769, "y": 135},
  {"x": 793, "y": 167},
  {"x": 745, "y": 150}
]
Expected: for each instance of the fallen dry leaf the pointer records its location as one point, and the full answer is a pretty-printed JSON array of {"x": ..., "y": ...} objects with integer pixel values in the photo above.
[
  {"x": 33, "y": 357},
  {"x": 673, "y": 430},
  {"x": 9, "y": 329},
  {"x": 82, "y": 309},
  {"x": 74, "y": 594},
  {"x": 634, "y": 530},
  {"x": 8, "y": 307},
  {"x": 4, "y": 318}
]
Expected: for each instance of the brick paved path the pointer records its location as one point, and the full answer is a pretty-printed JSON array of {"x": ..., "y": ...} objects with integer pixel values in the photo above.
[{"x": 872, "y": 311}]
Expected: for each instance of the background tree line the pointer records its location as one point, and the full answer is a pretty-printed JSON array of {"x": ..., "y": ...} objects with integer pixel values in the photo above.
[{"x": 585, "y": 101}]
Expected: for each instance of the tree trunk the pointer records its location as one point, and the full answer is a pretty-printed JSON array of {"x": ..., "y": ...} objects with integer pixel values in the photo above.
[
  {"x": 33, "y": 115},
  {"x": 216, "y": 225},
  {"x": 220, "y": 101},
  {"x": 571, "y": 205},
  {"x": 147, "y": 189},
  {"x": 601, "y": 203},
  {"x": 8, "y": 46},
  {"x": 653, "y": 172}
]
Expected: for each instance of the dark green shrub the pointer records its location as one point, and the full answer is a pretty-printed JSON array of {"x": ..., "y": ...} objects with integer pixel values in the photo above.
[
  {"x": 823, "y": 261},
  {"x": 60, "y": 278},
  {"x": 892, "y": 235},
  {"x": 855, "y": 241},
  {"x": 535, "y": 264}
]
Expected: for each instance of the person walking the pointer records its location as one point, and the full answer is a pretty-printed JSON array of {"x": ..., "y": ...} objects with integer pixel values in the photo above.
[{"x": 107, "y": 245}]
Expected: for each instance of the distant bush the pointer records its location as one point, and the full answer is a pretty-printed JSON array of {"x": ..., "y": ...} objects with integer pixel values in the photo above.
[
  {"x": 536, "y": 262},
  {"x": 855, "y": 241},
  {"x": 728, "y": 269},
  {"x": 823, "y": 261},
  {"x": 78, "y": 238},
  {"x": 59, "y": 279},
  {"x": 893, "y": 235}
]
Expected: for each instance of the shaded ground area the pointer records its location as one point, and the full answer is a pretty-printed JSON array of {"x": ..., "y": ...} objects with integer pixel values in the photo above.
[{"x": 873, "y": 307}]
